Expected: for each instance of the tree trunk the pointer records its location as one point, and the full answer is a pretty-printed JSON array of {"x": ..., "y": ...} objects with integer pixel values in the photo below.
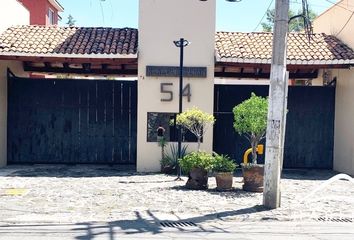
[
  {"x": 199, "y": 138},
  {"x": 254, "y": 145},
  {"x": 162, "y": 152}
]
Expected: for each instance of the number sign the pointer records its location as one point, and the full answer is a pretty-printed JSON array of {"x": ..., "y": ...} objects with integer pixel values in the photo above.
[{"x": 168, "y": 93}]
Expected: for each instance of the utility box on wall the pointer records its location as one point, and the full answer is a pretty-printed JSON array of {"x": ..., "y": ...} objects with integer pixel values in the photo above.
[{"x": 161, "y": 22}]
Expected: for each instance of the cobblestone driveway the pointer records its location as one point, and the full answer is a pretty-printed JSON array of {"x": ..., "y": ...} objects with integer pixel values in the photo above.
[{"x": 73, "y": 194}]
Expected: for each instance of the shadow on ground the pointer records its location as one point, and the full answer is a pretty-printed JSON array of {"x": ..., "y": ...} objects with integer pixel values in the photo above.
[
  {"x": 150, "y": 224},
  {"x": 307, "y": 174},
  {"x": 77, "y": 171},
  {"x": 74, "y": 171}
]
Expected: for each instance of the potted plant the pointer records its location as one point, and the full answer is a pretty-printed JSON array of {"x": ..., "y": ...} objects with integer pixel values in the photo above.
[
  {"x": 169, "y": 160},
  {"x": 162, "y": 142},
  {"x": 196, "y": 121},
  {"x": 223, "y": 168},
  {"x": 197, "y": 165},
  {"x": 250, "y": 120}
]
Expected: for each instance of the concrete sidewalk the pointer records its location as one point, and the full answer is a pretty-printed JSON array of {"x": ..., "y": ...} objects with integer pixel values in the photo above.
[
  {"x": 76, "y": 194},
  {"x": 101, "y": 202},
  {"x": 218, "y": 230}
]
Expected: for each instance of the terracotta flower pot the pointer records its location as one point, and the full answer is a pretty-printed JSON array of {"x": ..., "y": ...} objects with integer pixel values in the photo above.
[
  {"x": 197, "y": 179},
  {"x": 168, "y": 169},
  {"x": 224, "y": 180},
  {"x": 253, "y": 178}
]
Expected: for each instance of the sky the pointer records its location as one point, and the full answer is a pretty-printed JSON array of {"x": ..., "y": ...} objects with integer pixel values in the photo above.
[{"x": 243, "y": 16}]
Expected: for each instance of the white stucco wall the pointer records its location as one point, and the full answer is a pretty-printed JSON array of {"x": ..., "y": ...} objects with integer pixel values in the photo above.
[
  {"x": 12, "y": 13},
  {"x": 16, "y": 67},
  {"x": 344, "y": 122},
  {"x": 160, "y": 23},
  {"x": 336, "y": 21}
]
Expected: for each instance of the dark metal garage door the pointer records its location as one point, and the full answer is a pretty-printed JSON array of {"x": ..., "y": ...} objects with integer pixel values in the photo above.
[
  {"x": 72, "y": 121},
  {"x": 309, "y": 133}
]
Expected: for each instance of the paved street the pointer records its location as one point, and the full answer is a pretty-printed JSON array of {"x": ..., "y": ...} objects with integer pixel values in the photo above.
[
  {"x": 140, "y": 230},
  {"x": 77, "y": 201}
]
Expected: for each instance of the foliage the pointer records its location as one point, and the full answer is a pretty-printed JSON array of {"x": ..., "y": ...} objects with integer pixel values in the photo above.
[
  {"x": 196, "y": 121},
  {"x": 250, "y": 120},
  {"x": 171, "y": 158},
  {"x": 223, "y": 163},
  {"x": 71, "y": 21},
  {"x": 295, "y": 25},
  {"x": 251, "y": 116},
  {"x": 199, "y": 159},
  {"x": 162, "y": 143}
]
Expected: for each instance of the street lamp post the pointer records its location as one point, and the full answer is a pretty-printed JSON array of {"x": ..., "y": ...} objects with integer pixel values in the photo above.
[{"x": 181, "y": 44}]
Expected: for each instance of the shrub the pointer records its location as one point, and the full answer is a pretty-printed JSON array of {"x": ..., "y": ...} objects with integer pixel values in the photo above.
[
  {"x": 250, "y": 120},
  {"x": 170, "y": 158},
  {"x": 196, "y": 121},
  {"x": 223, "y": 163},
  {"x": 198, "y": 159}
]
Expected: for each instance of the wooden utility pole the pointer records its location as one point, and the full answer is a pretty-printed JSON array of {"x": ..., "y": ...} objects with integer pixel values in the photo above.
[{"x": 277, "y": 108}]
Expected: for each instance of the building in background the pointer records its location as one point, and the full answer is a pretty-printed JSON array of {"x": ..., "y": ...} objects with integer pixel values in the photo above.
[
  {"x": 339, "y": 22},
  {"x": 43, "y": 12},
  {"x": 7, "y": 17},
  {"x": 75, "y": 120}
]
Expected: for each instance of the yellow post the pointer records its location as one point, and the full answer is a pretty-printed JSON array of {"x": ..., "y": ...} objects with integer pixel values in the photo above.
[{"x": 259, "y": 150}]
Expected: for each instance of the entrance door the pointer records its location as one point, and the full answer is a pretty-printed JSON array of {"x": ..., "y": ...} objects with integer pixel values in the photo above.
[
  {"x": 72, "y": 121},
  {"x": 309, "y": 136}
]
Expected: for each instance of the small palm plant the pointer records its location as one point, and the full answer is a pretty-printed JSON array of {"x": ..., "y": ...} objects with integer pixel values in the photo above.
[{"x": 162, "y": 142}]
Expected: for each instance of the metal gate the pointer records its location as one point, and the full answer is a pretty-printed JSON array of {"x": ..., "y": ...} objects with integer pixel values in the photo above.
[
  {"x": 72, "y": 121},
  {"x": 309, "y": 129}
]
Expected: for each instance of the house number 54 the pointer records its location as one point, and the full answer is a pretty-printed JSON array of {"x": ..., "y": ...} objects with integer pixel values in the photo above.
[{"x": 165, "y": 89}]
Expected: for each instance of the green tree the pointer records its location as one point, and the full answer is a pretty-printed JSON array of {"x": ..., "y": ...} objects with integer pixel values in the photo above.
[
  {"x": 295, "y": 25},
  {"x": 250, "y": 120},
  {"x": 71, "y": 21},
  {"x": 196, "y": 121}
]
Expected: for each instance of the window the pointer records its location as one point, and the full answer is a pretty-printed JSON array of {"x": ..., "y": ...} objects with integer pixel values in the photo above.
[
  {"x": 168, "y": 122},
  {"x": 51, "y": 19}
]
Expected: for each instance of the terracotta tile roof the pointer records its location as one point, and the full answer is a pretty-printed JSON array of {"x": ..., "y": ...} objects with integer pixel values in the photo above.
[
  {"x": 256, "y": 47},
  {"x": 52, "y": 40},
  {"x": 123, "y": 42}
]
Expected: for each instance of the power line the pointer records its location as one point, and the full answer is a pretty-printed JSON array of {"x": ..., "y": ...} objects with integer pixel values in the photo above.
[
  {"x": 351, "y": 15},
  {"x": 310, "y": 4},
  {"x": 270, "y": 4},
  {"x": 112, "y": 12},
  {"x": 338, "y": 5},
  {"x": 348, "y": 20},
  {"x": 102, "y": 12}
]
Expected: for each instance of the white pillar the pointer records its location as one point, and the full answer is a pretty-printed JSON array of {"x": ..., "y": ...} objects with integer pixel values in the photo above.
[{"x": 160, "y": 23}]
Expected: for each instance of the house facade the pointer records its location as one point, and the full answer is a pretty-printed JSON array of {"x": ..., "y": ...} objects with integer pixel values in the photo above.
[
  {"x": 7, "y": 14},
  {"x": 71, "y": 120},
  {"x": 342, "y": 27},
  {"x": 43, "y": 12}
]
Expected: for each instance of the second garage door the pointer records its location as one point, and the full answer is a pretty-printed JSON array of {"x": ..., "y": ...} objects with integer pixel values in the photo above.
[{"x": 72, "y": 121}]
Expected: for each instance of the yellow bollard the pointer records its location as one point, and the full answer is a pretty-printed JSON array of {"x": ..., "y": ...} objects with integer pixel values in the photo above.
[{"x": 259, "y": 150}]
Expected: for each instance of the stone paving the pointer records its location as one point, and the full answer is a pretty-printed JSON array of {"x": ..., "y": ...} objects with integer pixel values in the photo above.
[{"x": 78, "y": 194}]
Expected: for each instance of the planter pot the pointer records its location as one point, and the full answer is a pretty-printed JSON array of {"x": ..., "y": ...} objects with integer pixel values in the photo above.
[
  {"x": 168, "y": 169},
  {"x": 253, "y": 178},
  {"x": 224, "y": 180},
  {"x": 197, "y": 179}
]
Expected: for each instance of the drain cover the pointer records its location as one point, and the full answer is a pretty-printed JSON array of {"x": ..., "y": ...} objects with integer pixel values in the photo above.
[
  {"x": 338, "y": 219},
  {"x": 177, "y": 224}
]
